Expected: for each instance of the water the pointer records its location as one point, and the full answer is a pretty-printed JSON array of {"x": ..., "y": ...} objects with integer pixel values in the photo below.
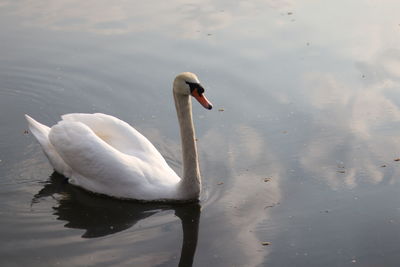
[{"x": 305, "y": 93}]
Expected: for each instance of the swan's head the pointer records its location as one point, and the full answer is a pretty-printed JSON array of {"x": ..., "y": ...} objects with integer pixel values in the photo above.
[{"x": 187, "y": 84}]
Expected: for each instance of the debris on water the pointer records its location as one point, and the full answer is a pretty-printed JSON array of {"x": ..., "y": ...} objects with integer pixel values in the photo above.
[
  {"x": 220, "y": 183},
  {"x": 272, "y": 205},
  {"x": 221, "y": 109},
  {"x": 268, "y": 179},
  {"x": 209, "y": 34},
  {"x": 398, "y": 159},
  {"x": 265, "y": 243},
  {"x": 26, "y": 132},
  {"x": 341, "y": 171},
  {"x": 285, "y": 132},
  {"x": 383, "y": 166},
  {"x": 290, "y": 13}
]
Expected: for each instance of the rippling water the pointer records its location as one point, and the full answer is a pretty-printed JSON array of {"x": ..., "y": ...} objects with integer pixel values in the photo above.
[{"x": 299, "y": 151}]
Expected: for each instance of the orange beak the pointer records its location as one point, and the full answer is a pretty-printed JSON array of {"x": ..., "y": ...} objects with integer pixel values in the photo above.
[{"x": 202, "y": 99}]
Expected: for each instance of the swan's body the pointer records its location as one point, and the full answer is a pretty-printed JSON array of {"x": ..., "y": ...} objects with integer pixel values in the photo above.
[{"x": 103, "y": 154}]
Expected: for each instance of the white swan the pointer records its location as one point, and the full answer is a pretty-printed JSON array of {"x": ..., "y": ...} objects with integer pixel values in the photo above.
[{"x": 103, "y": 154}]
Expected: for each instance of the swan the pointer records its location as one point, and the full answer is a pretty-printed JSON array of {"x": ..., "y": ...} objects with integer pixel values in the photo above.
[{"x": 105, "y": 155}]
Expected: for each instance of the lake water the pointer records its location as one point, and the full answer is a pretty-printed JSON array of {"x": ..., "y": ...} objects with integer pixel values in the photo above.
[{"x": 299, "y": 150}]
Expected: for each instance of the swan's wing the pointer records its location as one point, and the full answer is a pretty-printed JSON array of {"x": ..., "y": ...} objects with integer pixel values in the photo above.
[
  {"x": 116, "y": 133},
  {"x": 99, "y": 167}
]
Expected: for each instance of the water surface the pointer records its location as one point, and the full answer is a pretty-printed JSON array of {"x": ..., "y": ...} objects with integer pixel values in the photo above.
[{"x": 306, "y": 94}]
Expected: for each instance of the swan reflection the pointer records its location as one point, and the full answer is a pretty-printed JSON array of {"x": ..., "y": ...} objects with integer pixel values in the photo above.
[{"x": 101, "y": 216}]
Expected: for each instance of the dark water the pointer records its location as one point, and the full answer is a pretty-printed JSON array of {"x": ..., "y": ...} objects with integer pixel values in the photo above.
[{"x": 306, "y": 93}]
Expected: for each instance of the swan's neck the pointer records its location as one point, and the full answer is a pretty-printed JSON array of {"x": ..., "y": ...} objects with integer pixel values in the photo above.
[{"x": 190, "y": 184}]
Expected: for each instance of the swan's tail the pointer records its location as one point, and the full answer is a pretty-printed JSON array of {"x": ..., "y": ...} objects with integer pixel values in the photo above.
[{"x": 40, "y": 131}]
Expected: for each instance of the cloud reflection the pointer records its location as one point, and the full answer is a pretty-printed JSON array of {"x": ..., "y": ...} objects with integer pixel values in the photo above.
[
  {"x": 356, "y": 139},
  {"x": 178, "y": 17},
  {"x": 241, "y": 160}
]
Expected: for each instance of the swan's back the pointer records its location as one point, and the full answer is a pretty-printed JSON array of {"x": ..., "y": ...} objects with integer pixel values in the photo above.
[{"x": 116, "y": 133}]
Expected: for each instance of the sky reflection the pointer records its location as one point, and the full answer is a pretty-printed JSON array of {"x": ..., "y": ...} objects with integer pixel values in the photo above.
[
  {"x": 186, "y": 19},
  {"x": 238, "y": 165},
  {"x": 310, "y": 98}
]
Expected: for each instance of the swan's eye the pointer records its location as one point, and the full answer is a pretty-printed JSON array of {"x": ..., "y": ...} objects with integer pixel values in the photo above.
[{"x": 196, "y": 86}]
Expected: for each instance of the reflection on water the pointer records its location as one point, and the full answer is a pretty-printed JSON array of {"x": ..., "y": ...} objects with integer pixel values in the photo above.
[
  {"x": 189, "y": 20},
  {"x": 309, "y": 98},
  {"x": 360, "y": 134},
  {"x": 101, "y": 216}
]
